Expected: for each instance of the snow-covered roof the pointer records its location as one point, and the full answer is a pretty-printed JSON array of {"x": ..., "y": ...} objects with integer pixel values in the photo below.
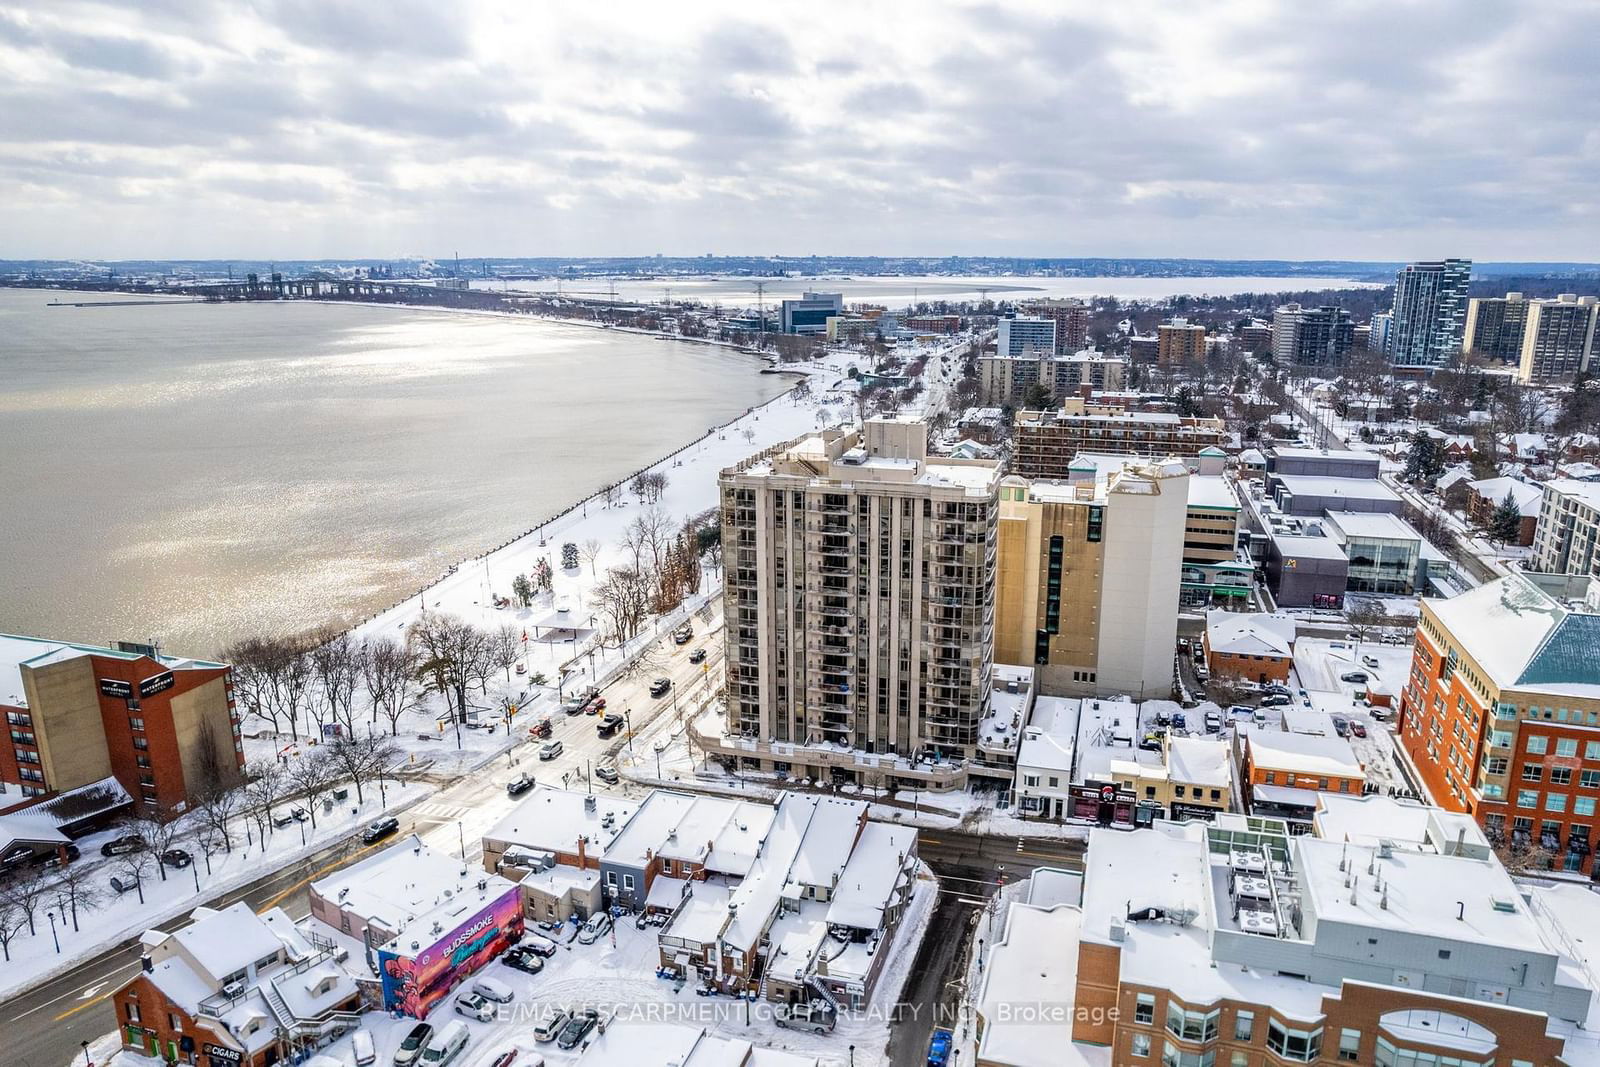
[
  {"x": 28, "y": 827},
  {"x": 1379, "y": 525},
  {"x": 1452, "y": 475},
  {"x": 828, "y": 842},
  {"x": 1587, "y": 492},
  {"x": 1523, "y": 638},
  {"x": 661, "y": 1044},
  {"x": 1526, "y": 497},
  {"x": 1198, "y": 761},
  {"x": 703, "y": 916},
  {"x": 1309, "y": 754},
  {"x": 408, "y": 888},
  {"x": 721, "y": 833},
  {"x": 876, "y": 872},
  {"x": 18, "y": 651},
  {"x": 1212, "y": 491},
  {"x": 1283, "y": 452},
  {"x": 228, "y": 940},
  {"x": 1307, "y": 546},
  {"x": 1340, "y": 488},
  {"x": 1250, "y": 633},
  {"x": 1047, "y": 740},
  {"x": 1252, "y": 457},
  {"x": 1036, "y": 962},
  {"x": 1371, "y": 819},
  {"x": 552, "y": 820}
]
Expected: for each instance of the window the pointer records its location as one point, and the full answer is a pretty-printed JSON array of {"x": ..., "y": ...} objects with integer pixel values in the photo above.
[
  {"x": 1583, "y": 805},
  {"x": 1192, "y": 1025},
  {"x": 1349, "y": 1044},
  {"x": 1527, "y": 798},
  {"x": 1566, "y": 746},
  {"x": 1144, "y": 1009},
  {"x": 1560, "y": 776},
  {"x": 1244, "y": 1025},
  {"x": 135, "y": 723},
  {"x": 1030, "y": 779},
  {"x": 1301, "y": 1045},
  {"x": 1555, "y": 802},
  {"x": 174, "y": 1023},
  {"x": 1140, "y": 1045},
  {"x": 1171, "y": 1057},
  {"x": 1497, "y": 765},
  {"x": 1589, "y": 779},
  {"x": 133, "y": 1011},
  {"x": 1536, "y": 744},
  {"x": 611, "y": 879},
  {"x": 1591, "y": 750},
  {"x": 1055, "y": 782},
  {"x": 627, "y": 882},
  {"x": 1533, "y": 772},
  {"x": 1239, "y": 1059}
]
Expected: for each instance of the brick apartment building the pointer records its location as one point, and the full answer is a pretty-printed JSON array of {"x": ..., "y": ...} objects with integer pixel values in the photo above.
[
  {"x": 77, "y": 714},
  {"x": 1501, "y": 713},
  {"x": 1047, "y": 441}
]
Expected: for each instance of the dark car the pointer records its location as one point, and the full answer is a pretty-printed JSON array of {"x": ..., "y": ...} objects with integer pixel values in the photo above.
[
  {"x": 1353, "y": 676},
  {"x": 506, "y": 1059},
  {"x": 519, "y": 785},
  {"x": 524, "y": 960},
  {"x": 697, "y": 656},
  {"x": 577, "y": 1029},
  {"x": 123, "y": 845},
  {"x": 1277, "y": 700},
  {"x": 380, "y": 829},
  {"x": 683, "y": 635},
  {"x": 660, "y": 686},
  {"x": 54, "y": 858},
  {"x": 609, "y": 725},
  {"x": 410, "y": 1050},
  {"x": 176, "y": 857}
]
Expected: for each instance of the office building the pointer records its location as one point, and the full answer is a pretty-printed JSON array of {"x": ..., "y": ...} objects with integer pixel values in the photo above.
[
  {"x": 1559, "y": 338},
  {"x": 1071, "y": 317},
  {"x": 1024, "y": 336},
  {"x": 1566, "y": 539},
  {"x": 1501, "y": 714},
  {"x": 1046, "y": 442},
  {"x": 1430, "y": 313},
  {"x": 1234, "y": 942},
  {"x": 810, "y": 313},
  {"x": 1312, "y": 337},
  {"x": 1180, "y": 342},
  {"x": 79, "y": 715},
  {"x": 860, "y": 601},
  {"x": 1088, "y": 579},
  {"x": 1495, "y": 326}
]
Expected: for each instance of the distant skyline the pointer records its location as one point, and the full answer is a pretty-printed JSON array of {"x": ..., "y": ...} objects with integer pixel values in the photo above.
[{"x": 302, "y": 129}]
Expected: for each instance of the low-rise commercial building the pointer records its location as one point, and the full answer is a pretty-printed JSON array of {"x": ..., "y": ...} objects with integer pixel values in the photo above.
[
  {"x": 552, "y": 844},
  {"x": 1283, "y": 772},
  {"x": 77, "y": 714},
  {"x": 1256, "y": 646}
]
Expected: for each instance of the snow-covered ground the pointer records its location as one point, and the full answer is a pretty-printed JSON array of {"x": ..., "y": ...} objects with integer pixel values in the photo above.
[
  {"x": 122, "y": 915},
  {"x": 1318, "y": 664}
]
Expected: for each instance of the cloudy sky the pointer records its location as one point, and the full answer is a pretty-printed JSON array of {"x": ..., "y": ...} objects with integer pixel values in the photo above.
[{"x": 312, "y": 128}]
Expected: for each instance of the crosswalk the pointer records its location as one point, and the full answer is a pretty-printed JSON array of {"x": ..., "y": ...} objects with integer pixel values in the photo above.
[{"x": 435, "y": 810}]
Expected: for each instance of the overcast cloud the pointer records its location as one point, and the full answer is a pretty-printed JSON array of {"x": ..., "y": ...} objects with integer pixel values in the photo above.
[{"x": 313, "y": 128}]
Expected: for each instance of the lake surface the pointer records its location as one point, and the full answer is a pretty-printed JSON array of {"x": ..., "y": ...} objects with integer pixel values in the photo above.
[
  {"x": 900, "y": 290},
  {"x": 196, "y": 472}
]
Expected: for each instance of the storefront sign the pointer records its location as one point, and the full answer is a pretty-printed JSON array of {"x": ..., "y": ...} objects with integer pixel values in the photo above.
[
  {"x": 222, "y": 1054},
  {"x": 116, "y": 688},
  {"x": 156, "y": 683}
]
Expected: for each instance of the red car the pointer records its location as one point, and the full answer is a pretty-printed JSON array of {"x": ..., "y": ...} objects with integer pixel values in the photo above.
[
  {"x": 506, "y": 1058},
  {"x": 596, "y": 706},
  {"x": 1358, "y": 729}
]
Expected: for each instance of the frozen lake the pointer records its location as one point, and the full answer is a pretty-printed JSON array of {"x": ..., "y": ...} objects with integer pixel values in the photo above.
[{"x": 196, "y": 472}]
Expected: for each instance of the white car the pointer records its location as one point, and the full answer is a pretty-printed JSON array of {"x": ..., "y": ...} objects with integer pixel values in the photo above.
[
  {"x": 595, "y": 928},
  {"x": 551, "y": 750},
  {"x": 546, "y": 1031},
  {"x": 474, "y": 1006}
]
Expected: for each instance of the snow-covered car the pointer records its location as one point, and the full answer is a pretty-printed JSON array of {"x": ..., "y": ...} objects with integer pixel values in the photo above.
[
  {"x": 490, "y": 989},
  {"x": 1370, "y": 661},
  {"x": 551, "y": 1027},
  {"x": 593, "y": 930},
  {"x": 1358, "y": 677},
  {"x": 519, "y": 785},
  {"x": 541, "y": 946},
  {"x": 474, "y": 1006}
]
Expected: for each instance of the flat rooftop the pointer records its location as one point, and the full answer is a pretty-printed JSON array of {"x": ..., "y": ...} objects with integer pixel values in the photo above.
[
  {"x": 18, "y": 651},
  {"x": 1380, "y": 525},
  {"x": 1307, "y": 546},
  {"x": 1346, "y": 488},
  {"x": 552, "y": 820},
  {"x": 1212, "y": 491}
]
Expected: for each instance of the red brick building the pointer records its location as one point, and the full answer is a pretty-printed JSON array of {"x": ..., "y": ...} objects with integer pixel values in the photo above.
[
  {"x": 1501, "y": 715},
  {"x": 77, "y": 714}
]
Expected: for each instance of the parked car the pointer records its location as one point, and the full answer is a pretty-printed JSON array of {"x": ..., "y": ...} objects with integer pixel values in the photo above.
[
  {"x": 1274, "y": 687},
  {"x": 1213, "y": 722},
  {"x": 1277, "y": 700},
  {"x": 284, "y": 818},
  {"x": 123, "y": 845},
  {"x": 939, "y": 1048},
  {"x": 119, "y": 887},
  {"x": 1179, "y": 722},
  {"x": 176, "y": 857},
  {"x": 814, "y": 1017},
  {"x": 490, "y": 989},
  {"x": 474, "y": 1006},
  {"x": 522, "y": 959},
  {"x": 1380, "y": 713},
  {"x": 519, "y": 785},
  {"x": 1241, "y": 711},
  {"x": 607, "y": 775},
  {"x": 551, "y": 1027},
  {"x": 595, "y": 706},
  {"x": 660, "y": 686},
  {"x": 541, "y": 946},
  {"x": 1358, "y": 730},
  {"x": 593, "y": 930},
  {"x": 411, "y": 1048},
  {"x": 505, "y": 1059},
  {"x": 1358, "y": 677},
  {"x": 1151, "y": 742},
  {"x": 361, "y": 1046},
  {"x": 1202, "y": 675},
  {"x": 550, "y": 750},
  {"x": 381, "y": 829},
  {"x": 1370, "y": 661},
  {"x": 53, "y": 860},
  {"x": 577, "y": 1029},
  {"x": 446, "y": 1044},
  {"x": 1341, "y": 726},
  {"x": 697, "y": 656}
]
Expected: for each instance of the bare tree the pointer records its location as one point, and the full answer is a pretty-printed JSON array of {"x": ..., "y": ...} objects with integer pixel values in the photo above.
[
  {"x": 215, "y": 808},
  {"x": 312, "y": 776},
  {"x": 623, "y": 597},
  {"x": 655, "y": 483},
  {"x": 655, "y": 529},
  {"x": 252, "y": 685},
  {"x": 336, "y": 662},
  {"x": 389, "y": 673},
  {"x": 12, "y": 921},
  {"x": 638, "y": 488},
  {"x": 1366, "y": 617},
  {"x": 293, "y": 672},
  {"x": 265, "y": 789},
  {"x": 158, "y": 828},
  {"x": 362, "y": 758},
  {"x": 450, "y": 653},
  {"x": 135, "y": 865},
  {"x": 76, "y": 891},
  {"x": 504, "y": 648},
  {"x": 611, "y": 495},
  {"x": 26, "y": 888},
  {"x": 590, "y": 550}
]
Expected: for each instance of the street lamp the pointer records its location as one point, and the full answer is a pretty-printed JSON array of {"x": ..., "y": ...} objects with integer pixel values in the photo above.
[
  {"x": 86, "y": 1060},
  {"x": 627, "y": 713},
  {"x": 52, "y": 917}
]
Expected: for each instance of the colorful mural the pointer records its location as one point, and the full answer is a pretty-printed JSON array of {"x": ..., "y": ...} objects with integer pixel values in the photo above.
[{"x": 414, "y": 983}]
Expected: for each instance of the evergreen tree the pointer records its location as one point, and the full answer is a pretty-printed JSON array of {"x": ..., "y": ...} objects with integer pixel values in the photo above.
[
  {"x": 1505, "y": 522},
  {"x": 1424, "y": 460}
]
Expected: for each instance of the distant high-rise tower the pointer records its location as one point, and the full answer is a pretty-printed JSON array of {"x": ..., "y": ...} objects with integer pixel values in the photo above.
[
  {"x": 1312, "y": 337},
  {"x": 1430, "y": 312},
  {"x": 1495, "y": 326},
  {"x": 1559, "y": 339}
]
